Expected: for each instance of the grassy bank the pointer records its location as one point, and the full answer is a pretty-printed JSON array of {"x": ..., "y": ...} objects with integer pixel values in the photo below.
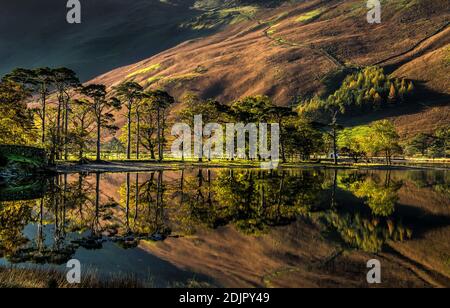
[
  {"x": 12, "y": 277},
  {"x": 36, "y": 278}
]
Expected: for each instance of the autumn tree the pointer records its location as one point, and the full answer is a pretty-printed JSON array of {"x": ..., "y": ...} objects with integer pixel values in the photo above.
[{"x": 392, "y": 93}]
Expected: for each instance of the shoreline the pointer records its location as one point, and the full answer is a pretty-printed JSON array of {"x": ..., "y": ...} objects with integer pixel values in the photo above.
[{"x": 149, "y": 166}]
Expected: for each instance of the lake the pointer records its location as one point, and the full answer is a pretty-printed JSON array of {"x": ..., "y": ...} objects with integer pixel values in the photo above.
[{"x": 235, "y": 227}]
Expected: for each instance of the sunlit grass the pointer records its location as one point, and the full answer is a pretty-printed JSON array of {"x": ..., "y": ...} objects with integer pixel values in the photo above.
[
  {"x": 447, "y": 54},
  {"x": 151, "y": 68},
  {"x": 309, "y": 16},
  {"x": 154, "y": 79}
]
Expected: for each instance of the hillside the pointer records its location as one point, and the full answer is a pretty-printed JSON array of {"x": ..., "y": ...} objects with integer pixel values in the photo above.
[
  {"x": 112, "y": 33},
  {"x": 301, "y": 48}
]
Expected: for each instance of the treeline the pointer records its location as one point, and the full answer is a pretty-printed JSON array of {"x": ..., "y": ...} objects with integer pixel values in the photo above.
[
  {"x": 431, "y": 145},
  {"x": 51, "y": 109},
  {"x": 363, "y": 142}
]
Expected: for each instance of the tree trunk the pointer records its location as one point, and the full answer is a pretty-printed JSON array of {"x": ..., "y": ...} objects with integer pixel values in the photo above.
[
  {"x": 283, "y": 151},
  {"x": 97, "y": 199},
  {"x": 53, "y": 150},
  {"x": 58, "y": 130},
  {"x": 152, "y": 151},
  {"x": 80, "y": 155},
  {"x": 159, "y": 132},
  {"x": 136, "y": 198},
  {"x": 163, "y": 133},
  {"x": 98, "y": 137},
  {"x": 66, "y": 127},
  {"x": 128, "y": 202},
  {"x": 138, "y": 134},
  {"x": 44, "y": 111},
  {"x": 129, "y": 132},
  {"x": 334, "y": 189},
  {"x": 335, "y": 147}
]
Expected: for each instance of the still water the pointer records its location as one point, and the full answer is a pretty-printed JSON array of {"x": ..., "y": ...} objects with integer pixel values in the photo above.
[{"x": 235, "y": 227}]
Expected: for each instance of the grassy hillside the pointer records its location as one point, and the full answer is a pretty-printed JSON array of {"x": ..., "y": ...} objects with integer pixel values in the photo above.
[
  {"x": 112, "y": 32},
  {"x": 303, "y": 48}
]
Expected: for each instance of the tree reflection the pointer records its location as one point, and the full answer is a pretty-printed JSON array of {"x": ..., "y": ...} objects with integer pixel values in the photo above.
[
  {"x": 366, "y": 232},
  {"x": 359, "y": 208},
  {"x": 254, "y": 201},
  {"x": 380, "y": 196},
  {"x": 146, "y": 218},
  {"x": 362, "y": 229},
  {"x": 437, "y": 180},
  {"x": 14, "y": 216}
]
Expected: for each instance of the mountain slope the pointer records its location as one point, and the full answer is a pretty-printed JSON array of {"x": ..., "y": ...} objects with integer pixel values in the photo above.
[
  {"x": 296, "y": 49},
  {"x": 112, "y": 32}
]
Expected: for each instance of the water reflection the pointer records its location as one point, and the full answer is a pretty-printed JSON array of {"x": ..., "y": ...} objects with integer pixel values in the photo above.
[{"x": 359, "y": 210}]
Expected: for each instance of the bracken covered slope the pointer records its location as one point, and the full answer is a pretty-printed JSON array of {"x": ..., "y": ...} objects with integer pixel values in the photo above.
[{"x": 298, "y": 49}]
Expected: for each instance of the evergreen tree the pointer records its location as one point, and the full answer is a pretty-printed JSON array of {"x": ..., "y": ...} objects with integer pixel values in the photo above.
[
  {"x": 130, "y": 93},
  {"x": 101, "y": 107}
]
